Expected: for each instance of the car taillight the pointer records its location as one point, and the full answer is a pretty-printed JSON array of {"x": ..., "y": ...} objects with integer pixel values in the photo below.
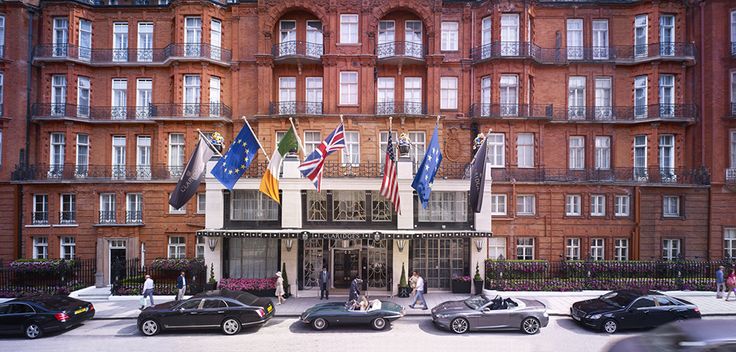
[
  {"x": 261, "y": 313},
  {"x": 697, "y": 310},
  {"x": 62, "y": 317},
  {"x": 91, "y": 307}
]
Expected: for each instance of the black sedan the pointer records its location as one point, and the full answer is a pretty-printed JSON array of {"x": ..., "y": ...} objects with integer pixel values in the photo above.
[
  {"x": 682, "y": 336},
  {"x": 629, "y": 309},
  {"x": 35, "y": 315},
  {"x": 226, "y": 310}
]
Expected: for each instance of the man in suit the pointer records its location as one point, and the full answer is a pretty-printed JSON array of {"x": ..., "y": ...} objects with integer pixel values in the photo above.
[
  {"x": 354, "y": 294},
  {"x": 181, "y": 285},
  {"x": 324, "y": 280}
]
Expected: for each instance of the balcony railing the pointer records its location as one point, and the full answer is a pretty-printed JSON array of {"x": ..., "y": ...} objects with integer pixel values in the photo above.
[
  {"x": 108, "y": 217},
  {"x": 297, "y": 48},
  {"x": 133, "y": 217},
  {"x": 131, "y": 55},
  {"x": 651, "y": 175},
  {"x": 401, "y": 108},
  {"x": 677, "y": 112},
  {"x": 363, "y": 169},
  {"x": 505, "y": 111},
  {"x": 95, "y": 173},
  {"x": 400, "y": 49},
  {"x": 296, "y": 108},
  {"x": 450, "y": 170},
  {"x": 619, "y": 53},
  {"x": 67, "y": 217},
  {"x": 131, "y": 113},
  {"x": 40, "y": 218}
]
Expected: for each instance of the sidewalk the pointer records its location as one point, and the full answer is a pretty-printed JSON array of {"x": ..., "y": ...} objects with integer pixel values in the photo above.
[{"x": 558, "y": 303}]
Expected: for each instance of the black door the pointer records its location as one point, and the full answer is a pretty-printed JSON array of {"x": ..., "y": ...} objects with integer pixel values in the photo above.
[
  {"x": 641, "y": 313},
  {"x": 213, "y": 311},
  {"x": 117, "y": 264},
  {"x": 345, "y": 267},
  {"x": 16, "y": 315},
  {"x": 187, "y": 314}
]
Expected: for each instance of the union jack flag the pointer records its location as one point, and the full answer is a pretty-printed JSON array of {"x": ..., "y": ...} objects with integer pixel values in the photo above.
[
  {"x": 314, "y": 163},
  {"x": 390, "y": 183}
]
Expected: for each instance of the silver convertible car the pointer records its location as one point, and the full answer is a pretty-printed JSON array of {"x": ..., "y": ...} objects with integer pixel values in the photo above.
[{"x": 480, "y": 313}]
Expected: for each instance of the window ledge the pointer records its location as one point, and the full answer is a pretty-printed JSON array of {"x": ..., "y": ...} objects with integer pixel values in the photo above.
[
  {"x": 65, "y": 225},
  {"x": 120, "y": 225},
  {"x": 38, "y": 225},
  {"x": 348, "y": 44}
]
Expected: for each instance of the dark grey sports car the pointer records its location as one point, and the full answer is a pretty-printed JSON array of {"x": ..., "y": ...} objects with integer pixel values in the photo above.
[
  {"x": 479, "y": 313},
  {"x": 379, "y": 314}
]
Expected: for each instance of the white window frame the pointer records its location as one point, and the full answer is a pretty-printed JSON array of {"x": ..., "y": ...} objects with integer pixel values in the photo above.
[
  {"x": 445, "y": 207},
  {"x": 83, "y": 97},
  {"x": 119, "y": 156},
  {"x": 144, "y": 98},
  {"x": 572, "y": 248},
  {"x": 40, "y": 206},
  {"x": 525, "y": 248},
  {"x": 666, "y": 95},
  {"x": 60, "y": 37},
  {"x": 573, "y": 205},
  {"x": 313, "y": 94},
  {"x": 67, "y": 204},
  {"x": 200, "y": 249},
  {"x": 349, "y": 28},
  {"x": 315, "y": 38},
  {"x": 576, "y": 98},
  {"x": 215, "y": 96},
  {"x": 385, "y": 95},
  {"x": 597, "y": 249},
  {"x": 640, "y": 96},
  {"x": 671, "y": 206},
  {"x": 192, "y": 94},
  {"x": 575, "y": 49},
  {"x": 496, "y": 156},
  {"x": 576, "y": 153},
  {"x": 510, "y": 45},
  {"x": 312, "y": 139},
  {"x": 667, "y": 35},
  {"x": 58, "y": 95},
  {"x": 108, "y": 206},
  {"x": 602, "y": 152},
  {"x": 597, "y": 205},
  {"x": 448, "y": 93},
  {"x": 621, "y": 249},
  {"x": 640, "y": 157},
  {"x": 729, "y": 242},
  {"x": 486, "y": 37},
  {"x": 731, "y": 172},
  {"x": 287, "y": 95},
  {"x": 525, "y": 150},
  {"x": 177, "y": 247},
  {"x": 177, "y": 153},
  {"x": 215, "y": 39},
  {"x": 85, "y": 39},
  {"x": 497, "y": 248},
  {"x": 120, "y": 41},
  {"x": 82, "y": 155},
  {"x": 67, "y": 247},
  {"x": 119, "y": 99},
  {"x": 201, "y": 203},
  {"x": 600, "y": 40},
  {"x": 349, "y": 87},
  {"x": 485, "y": 95},
  {"x": 733, "y": 32},
  {"x": 667, "y": 157},
  {"x": 603, "y": 98},
  {"x": 622, "y": 205},
  {"x": 641, "y": 36},
  {"x": 413, "y": 95},
  {"x": 143, "y": 157},
  {"x": 351, "y": 152},
  {"x": 192, "y": 36},
  {"x": 145, "y": 42},
  {"x": 57, "y": 146},
  {"x": 449, "y": 36},
  {"x": 509, "y": 95},
  {"x": 133, "y": 206},
  {"x": 40, "y": 247},
  {"x": 671, "y": 248},
  {"x": 525, "y": 205},
  {"x": 498, "y": 204}
]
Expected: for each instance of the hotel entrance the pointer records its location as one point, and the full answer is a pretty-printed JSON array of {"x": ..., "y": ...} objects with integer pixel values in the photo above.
[
  {"x": 345, "y": 266},
  {"x": 346, "y": 259}
]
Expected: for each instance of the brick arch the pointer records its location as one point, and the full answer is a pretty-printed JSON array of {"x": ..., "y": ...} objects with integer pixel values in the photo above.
[
  {"x": 275, "y": 9},
  {"x": 423, "y": 12}
]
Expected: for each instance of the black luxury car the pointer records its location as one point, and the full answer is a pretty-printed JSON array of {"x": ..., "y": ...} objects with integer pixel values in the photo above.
[
  {"x": 223, "y": 309},
  {"x": 682, "y": 336},
  {"x": 35, "y": 315},
  {"x": 630, "y": 309}
]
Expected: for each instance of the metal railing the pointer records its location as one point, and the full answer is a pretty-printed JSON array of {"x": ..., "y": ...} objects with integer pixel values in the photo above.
[
  {"x": 648, "y": 175},
  {"x": 108, "y": 217},
  {"x": 297, "y": 48},
  {"x": 400, "y": 49},
  {"x": 95, "y": 173},
  {"x": 503, "y": 49},
  {"x": 295, "y": 108},
  {"x": 686, "y": 112},
  {"x": 131, "y": 55},
  {"x": 128, "y": 276},
  {"x": 453, "y": 171},
  {"x": 67, "y": 217},
  {"x": 401, "y": 107},
  {"x": 40, "y": 218},
  {"x": 540, "y": 111},
  {"x": 53, "y": 276},
  {"x": 131, "y": 113},
  {"x": 618, "y": 53},
  {"x": 363, "y": 169},
  {"x": 134, "y": 217}
]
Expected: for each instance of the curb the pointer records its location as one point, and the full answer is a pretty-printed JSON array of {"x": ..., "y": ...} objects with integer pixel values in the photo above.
[{"x": 562, "y": 315}]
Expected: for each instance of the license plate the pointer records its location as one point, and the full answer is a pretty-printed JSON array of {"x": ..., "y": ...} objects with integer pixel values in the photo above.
[
  {"x": 80, "y": 311},
  {"x": 270, "y": 308}
]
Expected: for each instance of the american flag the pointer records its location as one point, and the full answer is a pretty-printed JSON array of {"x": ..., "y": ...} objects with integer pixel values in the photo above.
[
  {"x": 314, "y": 163},
  {"x": 390, "y": 184}
]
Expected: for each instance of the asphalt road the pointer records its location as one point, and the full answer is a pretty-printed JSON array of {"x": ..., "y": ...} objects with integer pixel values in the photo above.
[{"x": 288, "y": 334}]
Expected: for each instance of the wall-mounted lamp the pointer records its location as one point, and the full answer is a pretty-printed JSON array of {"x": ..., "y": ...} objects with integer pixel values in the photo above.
[
  {"x": 212, "y": 243},
  {"x": 289, "y": 244},
  {"x": 401, "y": 244},
  {"x": 479, "y": 244}
]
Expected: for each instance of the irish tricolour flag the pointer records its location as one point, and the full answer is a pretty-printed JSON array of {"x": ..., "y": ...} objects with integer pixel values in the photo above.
[{"x": 270, "y": 181}]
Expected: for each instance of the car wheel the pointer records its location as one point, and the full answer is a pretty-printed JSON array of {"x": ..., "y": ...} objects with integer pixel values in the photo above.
[
  {"x": 319, "y": 324},
  {"x": 150, "y": 327},
  {"x": 459, "y": 325},
  {"x": 33, "y": 331},
  {"x": 378, "y": 323},
  {"x": 530, "y": 326},
  {"x": 231, "y": 326},
  {"x": 610, "y": 326}
]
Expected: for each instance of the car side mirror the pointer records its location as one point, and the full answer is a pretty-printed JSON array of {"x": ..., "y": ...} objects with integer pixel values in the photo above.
[
  {"x": 486, "y": 310},
  {"x": 181, "y": 309}
]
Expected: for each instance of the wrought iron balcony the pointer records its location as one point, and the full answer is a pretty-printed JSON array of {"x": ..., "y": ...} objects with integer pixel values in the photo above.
[
  {"x": 363, "y": 169},
  {"x": 628, "y": 114},
  {"x": 297, "y": 49},
  {"x": 400, "y": 108},
  {"x": 386, "y": 52},
  {"x": 108, "y": 217},
  {"x": 133, "y": 217},
  {"x": 67, "y": 217},
  {"x": 295, "y": 108},
  {"x": 95, "y": 173},
  {"x": 40, "y": 218},
  {"x": 452, "y": 171},
  {"x": 122, "y": 56},
  {"x": 651, "y": 175},
  {"x": 511, "y": 111},
  {"x": 503, "y": 49},
  {"x": 731, "y": 175},
  {"x": 131, "y": 113}
]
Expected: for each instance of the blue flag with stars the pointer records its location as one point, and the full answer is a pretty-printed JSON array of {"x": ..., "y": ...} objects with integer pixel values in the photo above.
[
  {"x": 233, "y": 164},
  {"x": 425, "y": 175}
]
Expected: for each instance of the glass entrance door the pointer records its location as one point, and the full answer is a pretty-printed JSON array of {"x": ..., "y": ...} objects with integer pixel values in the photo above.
[
  {"x": 439, "y": 260},
  {"x": 346, "y": 265}
]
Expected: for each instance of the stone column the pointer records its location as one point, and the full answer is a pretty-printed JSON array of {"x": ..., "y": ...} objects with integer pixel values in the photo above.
[
  {"x": 405, "y": 174},
  {"x": 291, "y": 217},
  {"x": 214, "y": 219}
]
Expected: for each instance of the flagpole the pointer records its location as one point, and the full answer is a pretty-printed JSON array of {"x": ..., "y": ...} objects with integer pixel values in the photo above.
[
  {"x": 207, "y": 140},
  {"x": 298, "y": 140},
  {"x": 350, "y": 158},
  {"x": 260, "y": 146}
]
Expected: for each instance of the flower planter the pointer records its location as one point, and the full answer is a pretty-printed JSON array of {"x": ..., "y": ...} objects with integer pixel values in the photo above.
[
  {"x": 211, "y": 286},
  {"x": 263, "y": 293},
  {"x": 460, "y": 286},
  {"x": 404, "y": 292},
  {"x": 478, "y": 286}
]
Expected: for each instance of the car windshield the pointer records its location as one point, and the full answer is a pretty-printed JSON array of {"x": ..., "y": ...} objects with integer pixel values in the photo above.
[
  {"x": 247, "y": 298},
  {"x": 618, "y": 298},
  {"x": 476, "y": 302}
]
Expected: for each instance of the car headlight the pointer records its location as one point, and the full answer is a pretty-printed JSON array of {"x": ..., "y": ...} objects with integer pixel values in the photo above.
[
  {"x": 594, "y": 316},
  {"x": 545, "y": 314},
  {"x": 443, "y": 316}
]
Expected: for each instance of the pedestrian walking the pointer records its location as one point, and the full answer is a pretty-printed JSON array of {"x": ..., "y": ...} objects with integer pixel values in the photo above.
[
  {"x": 420, "y": 292},
  {"x": 354, "y": 294},
  {"x": 731, "y": 283},
  {"x": 720, "y": 283},
  {"x": 181, "y": 286},
  {"x": 279, "y": 287},
  {"x": 413, "y": 282},
  {"x": 147, "y": 291},
  {"x": 324, "y": 280}
]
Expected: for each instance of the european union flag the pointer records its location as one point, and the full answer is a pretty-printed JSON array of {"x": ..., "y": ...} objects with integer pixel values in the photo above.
[
  {"x": 425, "y": 175},
  {"x": 237, "y": 159}
]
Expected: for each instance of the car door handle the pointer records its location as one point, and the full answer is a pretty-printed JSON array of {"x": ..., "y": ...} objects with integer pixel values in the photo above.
[
  {"x": 193, "y": 313},
  {"x": 220, "y": 311}
]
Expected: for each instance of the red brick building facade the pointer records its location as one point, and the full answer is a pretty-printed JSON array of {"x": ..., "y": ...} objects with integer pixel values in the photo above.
[{"x": 607, "y": 117}]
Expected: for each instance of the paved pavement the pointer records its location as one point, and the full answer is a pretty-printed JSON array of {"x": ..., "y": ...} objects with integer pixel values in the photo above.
[{"x": 558, "y": 303}]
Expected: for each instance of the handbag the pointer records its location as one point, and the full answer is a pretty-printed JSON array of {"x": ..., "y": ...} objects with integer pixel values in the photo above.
[{"x": 731, "y": 282}]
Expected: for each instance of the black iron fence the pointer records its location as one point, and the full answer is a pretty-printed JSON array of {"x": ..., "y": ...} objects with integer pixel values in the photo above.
[
  {"x": 514, "y": 275},
  {"x": 297, "y": 48},
  {"x": 54, "y": 276},
  {"x": 129, "y": 275}
]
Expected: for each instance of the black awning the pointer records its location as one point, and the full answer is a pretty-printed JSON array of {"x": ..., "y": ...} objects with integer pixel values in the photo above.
[{"x": 342, "y": 235}]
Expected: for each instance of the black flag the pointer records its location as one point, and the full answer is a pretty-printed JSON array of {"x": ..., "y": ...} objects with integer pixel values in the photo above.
[
  {"x": 192, "y": 175},
  {"x": 478, "y": 177}
]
